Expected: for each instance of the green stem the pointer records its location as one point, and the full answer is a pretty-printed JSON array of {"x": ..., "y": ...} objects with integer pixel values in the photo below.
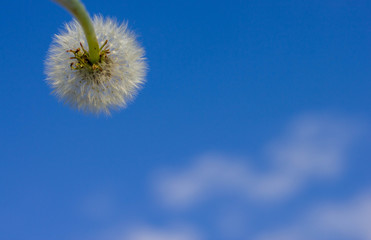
[{"x": 78, "y": 10}]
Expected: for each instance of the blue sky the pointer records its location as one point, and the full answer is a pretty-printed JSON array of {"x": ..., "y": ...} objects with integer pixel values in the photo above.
[{"x": 253, "y": 124}]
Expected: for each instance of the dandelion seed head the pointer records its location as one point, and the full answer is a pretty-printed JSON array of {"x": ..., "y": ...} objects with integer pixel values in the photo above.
[{"x": 111, "y": 87}]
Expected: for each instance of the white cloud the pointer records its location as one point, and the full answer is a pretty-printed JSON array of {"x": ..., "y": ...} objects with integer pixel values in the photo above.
[
  {"x": 211, "y": 173},
  {"x": 345, "y": 221},
  {"x": 351, "y": 219},
  {"x": 312, "y": 147},
  {"x": 148, "y": 233},
  {"x": 129, "y": 231}
]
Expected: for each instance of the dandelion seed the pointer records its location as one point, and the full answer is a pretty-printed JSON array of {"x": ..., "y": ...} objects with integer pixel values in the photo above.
[{"x": 100, "y": 84}]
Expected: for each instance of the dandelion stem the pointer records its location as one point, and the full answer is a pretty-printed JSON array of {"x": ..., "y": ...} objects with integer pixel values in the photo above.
[{"x": 78, "y": 10}]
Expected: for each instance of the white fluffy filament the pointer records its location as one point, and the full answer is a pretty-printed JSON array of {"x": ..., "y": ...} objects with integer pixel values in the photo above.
[{"x": 98, "y": 91}]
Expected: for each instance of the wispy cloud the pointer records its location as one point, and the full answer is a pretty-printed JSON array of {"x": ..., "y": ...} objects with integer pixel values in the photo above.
[
  {"x": 150, "y": 233},
  {"x": 311, "y": 147},
  {"x": 146, "y": 232},
  {"x": 331, "y": 221}
]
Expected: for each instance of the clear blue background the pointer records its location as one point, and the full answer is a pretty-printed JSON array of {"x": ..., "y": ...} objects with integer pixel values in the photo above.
[{"x": 223, "y": 76}]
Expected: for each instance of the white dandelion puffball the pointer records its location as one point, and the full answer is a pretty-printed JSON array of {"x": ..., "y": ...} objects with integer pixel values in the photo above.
[{"x": 118, "y": 78}]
